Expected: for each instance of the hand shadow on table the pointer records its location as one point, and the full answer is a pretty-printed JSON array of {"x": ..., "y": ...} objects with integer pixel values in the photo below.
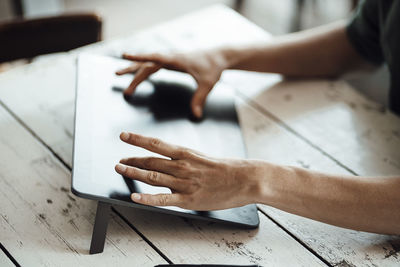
[{"x": 171, "y": 101}]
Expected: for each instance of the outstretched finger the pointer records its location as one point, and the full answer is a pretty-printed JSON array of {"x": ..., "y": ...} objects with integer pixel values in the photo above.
[
  {"x": 156, "y": 58},
  {"x": 152, "y": 163},
  {"x": 151, "y": 177},
  {"x": 131, "y": 69},
  {"x": 156, "y": 145},
  {"x": 142, "y": 74},
  {"x": 158, "y": 199},
  {"x": 169, "y": 62}
]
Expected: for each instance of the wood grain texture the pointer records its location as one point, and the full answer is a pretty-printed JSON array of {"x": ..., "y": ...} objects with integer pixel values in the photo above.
[
  {"x": 357, "y": 132},
  {"x": 199, "y": 242},
  {"x": 42, "y": 223},
  {"x": 25, "y": 91}
]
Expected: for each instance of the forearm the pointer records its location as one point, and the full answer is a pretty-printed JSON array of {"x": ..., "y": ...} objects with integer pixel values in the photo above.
[
  {"x": 323, "y": 51},
  {"x": 369, "y": 204}
]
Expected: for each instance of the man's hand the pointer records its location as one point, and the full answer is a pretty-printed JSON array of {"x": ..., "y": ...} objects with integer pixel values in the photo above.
[
  {"x": 205, "y": 67},
  {"x": 197, "y": 182}
]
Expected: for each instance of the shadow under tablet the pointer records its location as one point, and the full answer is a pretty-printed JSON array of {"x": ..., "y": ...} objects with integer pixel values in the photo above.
[{"x": 159, "y": 108}]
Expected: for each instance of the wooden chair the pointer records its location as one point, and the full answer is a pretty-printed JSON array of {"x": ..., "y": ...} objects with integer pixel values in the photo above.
[{"x": 27, "y": 38}]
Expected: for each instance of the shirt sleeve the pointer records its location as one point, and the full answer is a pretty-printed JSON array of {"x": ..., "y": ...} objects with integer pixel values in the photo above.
[{"x": 364, "y": 32}]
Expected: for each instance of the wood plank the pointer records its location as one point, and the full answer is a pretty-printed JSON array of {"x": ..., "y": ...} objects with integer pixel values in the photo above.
[
  {"x": 199, "y": 242},
  {"x": 41, "y": 222},
  {"x": 338, "y": 246},
  {"x": 39, "y": 83},
  {"x": 266, "y": 139},
  {"x": 337, "y": 119},
  {"x": 5, "y": 261}
]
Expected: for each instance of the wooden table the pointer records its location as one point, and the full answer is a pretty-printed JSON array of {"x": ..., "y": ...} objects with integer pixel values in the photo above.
[{"x": 317, "y": 124}]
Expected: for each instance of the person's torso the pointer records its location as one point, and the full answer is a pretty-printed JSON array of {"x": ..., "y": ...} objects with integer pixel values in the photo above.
[{"x": 389, "y": 23}]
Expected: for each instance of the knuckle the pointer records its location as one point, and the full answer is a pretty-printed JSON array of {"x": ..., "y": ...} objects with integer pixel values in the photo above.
[
  {"x": 157, "y": 56},
  {"x": 148, "y": 65},
  {"x": 187, "y": 201},
  {"x": 184, "y": 153},
  {"x": 192, "y": 187},
  {"x": 182, "y": 165},
  {"x": 154, "y": 143},
  {"x": 153, "y": 177},
  {"x": 162, "y": 200}
]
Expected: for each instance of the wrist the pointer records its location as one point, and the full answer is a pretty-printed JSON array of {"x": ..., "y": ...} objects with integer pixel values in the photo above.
[
  {"x": 257, "y": 175},
  {"x": 273, "y": 183},
  {"x": 229, "y": 57}
]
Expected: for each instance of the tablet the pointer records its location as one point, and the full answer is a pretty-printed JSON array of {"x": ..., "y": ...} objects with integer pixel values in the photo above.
[{"x": 159, "y": 108}]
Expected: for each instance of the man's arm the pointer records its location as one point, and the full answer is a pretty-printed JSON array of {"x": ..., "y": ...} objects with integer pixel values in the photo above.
[
  {"x": 323, "y": 51},
  {"x": 370, "y": 204}
]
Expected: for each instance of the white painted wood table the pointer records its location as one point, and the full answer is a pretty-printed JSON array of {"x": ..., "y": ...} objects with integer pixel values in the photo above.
[{"x": 317, "y": 124}]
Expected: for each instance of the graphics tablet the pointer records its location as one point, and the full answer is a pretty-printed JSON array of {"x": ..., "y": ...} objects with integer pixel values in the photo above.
[{"x": 159, "y": 108}]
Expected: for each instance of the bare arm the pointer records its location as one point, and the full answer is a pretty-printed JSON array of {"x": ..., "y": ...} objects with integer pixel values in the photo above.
[
  {"x": 369, "y": 204},
  {"x": 199, "y": 182},
  {"x": 324, "y": 51}
]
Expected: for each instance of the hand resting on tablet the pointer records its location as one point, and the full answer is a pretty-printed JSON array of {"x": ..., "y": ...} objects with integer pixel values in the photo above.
[{"x": 197, "y": 182}]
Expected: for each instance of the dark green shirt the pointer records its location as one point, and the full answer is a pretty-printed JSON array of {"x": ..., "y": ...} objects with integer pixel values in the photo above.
[{"x": 374, "y": 31}]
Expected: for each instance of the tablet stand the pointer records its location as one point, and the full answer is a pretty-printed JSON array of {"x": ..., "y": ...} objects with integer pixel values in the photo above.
[{"x": 100, "y": 227}]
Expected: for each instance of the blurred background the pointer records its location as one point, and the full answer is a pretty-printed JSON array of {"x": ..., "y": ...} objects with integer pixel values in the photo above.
[
  {"x": 29, "y": 28},
  {"x": 125, "y": 17}
]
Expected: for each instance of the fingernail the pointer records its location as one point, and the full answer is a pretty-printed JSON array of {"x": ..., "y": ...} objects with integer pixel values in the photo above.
[
  {"x": 197, "y": 111},
  {"x": 120, "y": 168},
  {"x": 124, "y": 136},
  {"x": 135, "y": 196}
]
